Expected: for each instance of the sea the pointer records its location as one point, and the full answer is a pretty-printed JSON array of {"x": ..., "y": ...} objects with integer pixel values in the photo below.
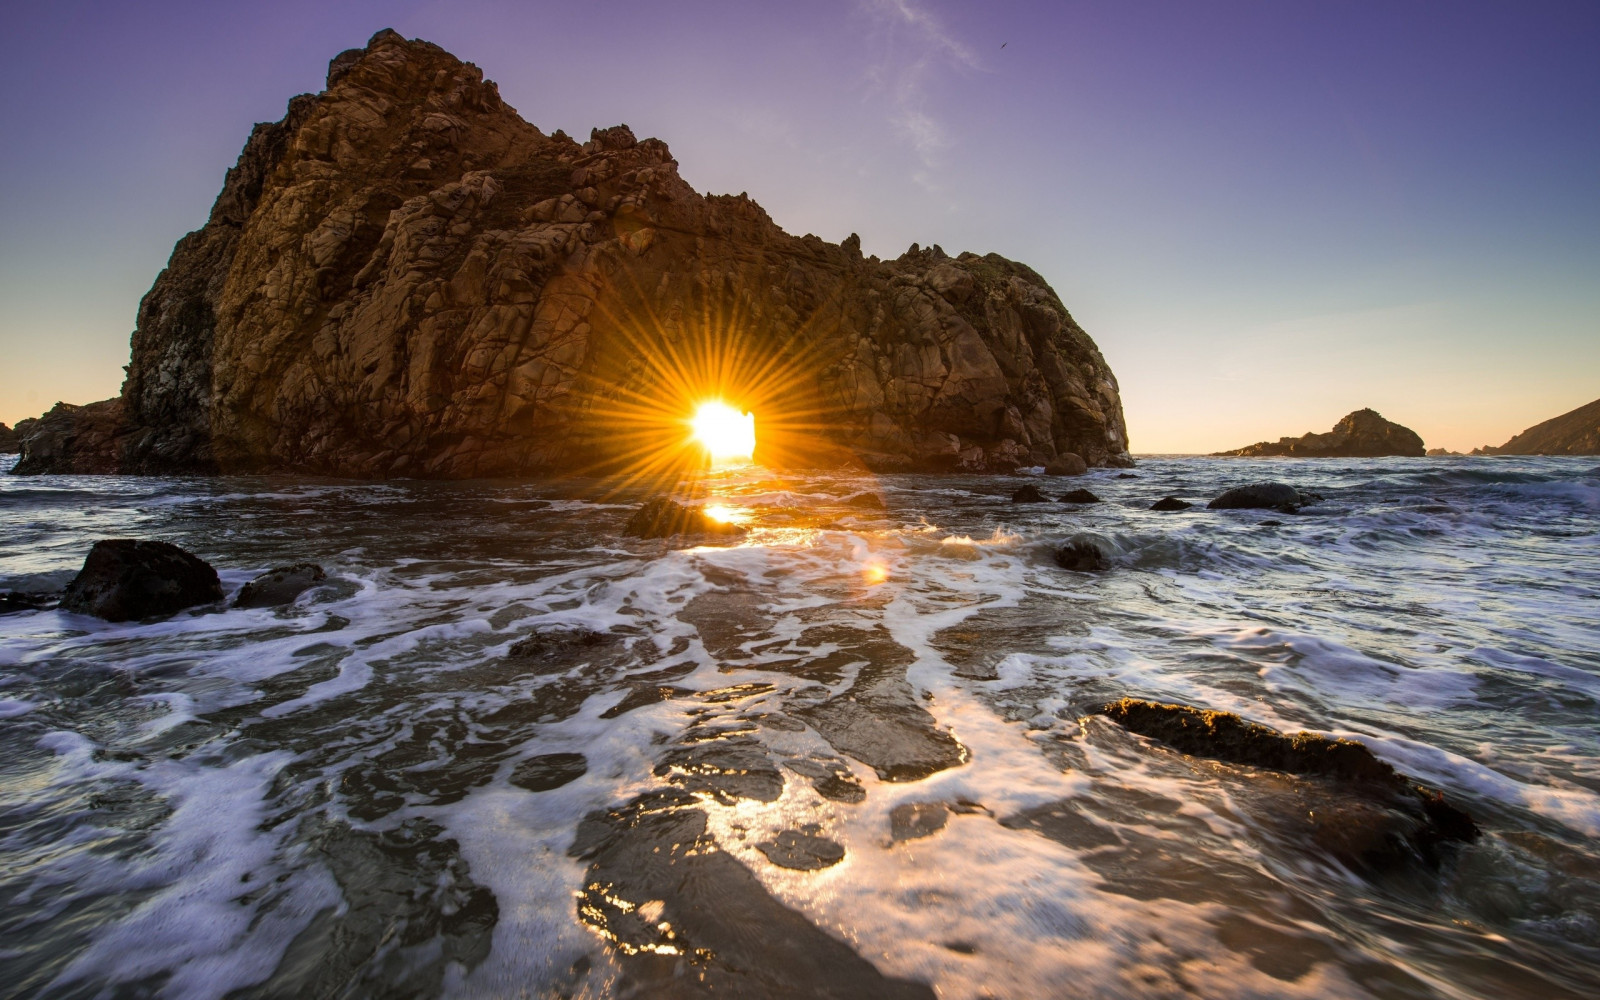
[{"x": 505, "y": 750}]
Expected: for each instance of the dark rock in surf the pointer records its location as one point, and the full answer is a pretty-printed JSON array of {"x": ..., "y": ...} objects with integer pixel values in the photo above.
[
  {"x": 728, "y": 769},
  {"x": 1361, "y": 434},
  {"x": 548, "y": 771},
  {"x": 279, "y": 586},
  {"x": 1080, "y": 496},
  {"x": 125, "y": 579},
  {"x": 1170, "y": 503},
  {"x": 1066, "y": 464},
  {"x": 660, "y": 886},
  {"x": 1269, "y": 523},
  {"x": 1126, "y": 475},
  {"x": 556, "y": 640},
  {"x": 866, "y": 501},
  {"x": 664, "y": 518},
  {"x": 1370, "y": 816},
  {"x": 915, "y": 820},
  {"x": 1082, "y": 555},
  {"x": 1270, "y": 496},
  {"x": 1029, "y": 494},
  {"x": 13, "y": 601},
  {"x": 880, "y": 721},
  {"x": 801, "y": 851}
]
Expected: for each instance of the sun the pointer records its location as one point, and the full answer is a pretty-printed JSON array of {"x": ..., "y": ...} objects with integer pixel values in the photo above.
[{"x": 727, "y": 435}]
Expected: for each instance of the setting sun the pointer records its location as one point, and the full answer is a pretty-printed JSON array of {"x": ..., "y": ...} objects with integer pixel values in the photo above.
[{"x": 726, "y": 434}]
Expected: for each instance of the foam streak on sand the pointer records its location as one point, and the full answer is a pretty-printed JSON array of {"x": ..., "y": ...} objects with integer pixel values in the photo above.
[{"x": 504, "y": 749}]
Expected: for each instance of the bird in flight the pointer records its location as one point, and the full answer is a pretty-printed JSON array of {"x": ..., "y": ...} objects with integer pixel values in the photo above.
[{"x": 1004, "y": 44}]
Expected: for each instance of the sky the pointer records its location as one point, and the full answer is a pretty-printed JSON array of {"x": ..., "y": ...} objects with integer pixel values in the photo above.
[{"x": 1267, "y": 214}]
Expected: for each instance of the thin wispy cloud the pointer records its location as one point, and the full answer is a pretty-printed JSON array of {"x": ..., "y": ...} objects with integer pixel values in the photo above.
[{"x": 914, "y": 46}]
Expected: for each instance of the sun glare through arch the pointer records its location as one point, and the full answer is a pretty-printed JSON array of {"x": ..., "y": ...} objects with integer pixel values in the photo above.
[{"x": 728, "y": 436}]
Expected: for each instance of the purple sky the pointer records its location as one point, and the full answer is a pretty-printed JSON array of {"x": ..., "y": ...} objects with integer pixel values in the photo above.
[{"x": 1267, "y": 214}]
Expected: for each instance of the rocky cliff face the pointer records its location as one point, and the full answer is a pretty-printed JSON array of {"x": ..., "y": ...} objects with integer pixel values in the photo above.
[
  {"x": 1574, "y": 433},
  {"x": 403, "y": 277},
  {"x": 1362, "y": 434}
]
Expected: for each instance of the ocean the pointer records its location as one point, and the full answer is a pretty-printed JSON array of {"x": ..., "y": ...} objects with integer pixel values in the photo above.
[{"x": 504, "y": 750}]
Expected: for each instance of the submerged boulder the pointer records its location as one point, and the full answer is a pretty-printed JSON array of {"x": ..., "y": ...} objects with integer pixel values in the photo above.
[
  {"x": 1362, "y": 434},
  {"x": 1270, "y": 496},
  {"x": 1171, "y": 503},
  {"x": 1352, "y": 804},
  {"x": 279, "y": 586},
  {"x": 1029, "y": 494},
  {"x": 12, "y": 601},
  {"x": 124, "y": 579},
  {"x": 1080, "y": 496},
  {"x": 664, "y": 518}
]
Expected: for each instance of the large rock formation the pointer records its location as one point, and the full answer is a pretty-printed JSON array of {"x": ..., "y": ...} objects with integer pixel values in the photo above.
[
  {"x": 1574, "y": 433},
  {"x": 404, "y": 278},
  {"x": 1362, "y": 434}
]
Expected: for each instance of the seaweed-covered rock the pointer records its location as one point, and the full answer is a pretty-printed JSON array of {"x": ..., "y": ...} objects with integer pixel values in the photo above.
[
  {"x": 1356, "y": 806},
  {"x": 279, "y": 586},
  {"x": 124, "y": 579}
]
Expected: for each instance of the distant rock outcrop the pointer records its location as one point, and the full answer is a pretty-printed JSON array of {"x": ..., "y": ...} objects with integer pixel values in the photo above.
[
  {"x": 1573, "y": 433},
  {"x": 1362, "y": 434},
  {"x": 9, "y": 442},
  {"x": 404, "y": 278}
]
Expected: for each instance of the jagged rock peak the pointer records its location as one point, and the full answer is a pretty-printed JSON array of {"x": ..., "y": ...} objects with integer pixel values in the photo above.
[
  {"x": 1361, "y": 434},
  {"x": 404, "y": 278},
  {"x": 1576, "y": 432}
]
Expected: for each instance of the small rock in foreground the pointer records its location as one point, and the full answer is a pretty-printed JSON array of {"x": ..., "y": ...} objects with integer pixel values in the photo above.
[
  {"x": 1270, "y": 496},
  {"x": 1080, "y": 496},
  {"x": 547, "y": 771},
  {"x": 279, "y": 586},
  {"x": 801, "y": 851},
  {"x": 664, "y": 518},
  {"x": 1066, "y": 464},
  {"x": 556, "y": 639},
  {"x": 1029, "y": 494},
  {"x": 915, "y": 820},
  {"x": 125, "y": 579},
  {"x": 1170, "y": 503}
]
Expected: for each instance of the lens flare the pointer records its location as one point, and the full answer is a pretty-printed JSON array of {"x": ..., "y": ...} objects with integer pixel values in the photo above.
[{"x": 727, "y": 435}]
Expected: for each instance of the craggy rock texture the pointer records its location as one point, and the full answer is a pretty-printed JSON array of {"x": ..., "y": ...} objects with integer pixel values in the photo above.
[
  {"x": 1573, "y": 433},
  {"x": 404, "y": 278},
  {"x": 125, "y": 579},
  {"x": 72, "y": 439},
  {"x": 1354, "y": 805},
  {"x": 1362, "y": 434}
]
